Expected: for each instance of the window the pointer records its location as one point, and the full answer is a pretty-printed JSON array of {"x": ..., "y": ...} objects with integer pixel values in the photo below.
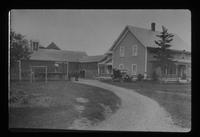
[
  {"x": 121, "y": 66},
  {"x": 121, "y": 51},
  {"x": 171, "y": 69},
  {"x": 134, "y": 69},
  {"x": 134, "y": 50}
]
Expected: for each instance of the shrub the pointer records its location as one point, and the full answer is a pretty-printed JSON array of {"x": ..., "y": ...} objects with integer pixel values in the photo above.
[
  {"x": 116, "y": 74},
  {"x": 127, "y": 78},
  {"x": 140, "y": 77}
]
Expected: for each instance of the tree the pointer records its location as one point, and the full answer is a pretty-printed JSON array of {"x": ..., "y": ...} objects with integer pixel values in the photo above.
[
  {"x": 18, "y": 48},
  {"x": 163, "y": 54}
]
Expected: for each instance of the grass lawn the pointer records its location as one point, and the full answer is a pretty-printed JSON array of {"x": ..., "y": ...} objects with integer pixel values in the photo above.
[
  {"x": 175, "y": 98},
  {"x": 54, "y": 104}
]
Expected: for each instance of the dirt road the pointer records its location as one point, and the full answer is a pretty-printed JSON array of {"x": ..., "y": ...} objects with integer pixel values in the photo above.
[{"x": 137, "y": 112}]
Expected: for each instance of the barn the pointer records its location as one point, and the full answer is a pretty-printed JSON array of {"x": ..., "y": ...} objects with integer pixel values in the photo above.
[{"x": 52, "y": 63}]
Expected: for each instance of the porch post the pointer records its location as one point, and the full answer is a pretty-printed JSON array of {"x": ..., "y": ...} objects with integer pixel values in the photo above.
[
  {"x": 46, "y": 74},
  {"x": 67, "y": 69},
  {"x": 98, "y": 68},
  {"x": 106, "y": 68},
  {"x": 177, "y": 72},
  {"x": 20, "y": 70},
  {"x": 65, "y": 77}
]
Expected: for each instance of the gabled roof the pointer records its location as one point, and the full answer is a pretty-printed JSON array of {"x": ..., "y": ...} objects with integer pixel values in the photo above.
[
  {"x": 57, "y": 55},
  {"x": 147, "y": 38},
  {"x": 52, "y": 45},
  {"x": 106, "y": 61},
  {"x": 92, "y": 58}
]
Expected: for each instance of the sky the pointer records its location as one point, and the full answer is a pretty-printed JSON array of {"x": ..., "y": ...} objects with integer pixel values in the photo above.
[{"x": 94, "y": 31}]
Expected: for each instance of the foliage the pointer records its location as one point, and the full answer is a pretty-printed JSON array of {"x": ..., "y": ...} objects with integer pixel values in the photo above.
[
  {"x": 140, "y": 77},
  {"x": 18, "y": 47},
  {"x": 116, "y": 74},
  {"x": 162, "y": 53},
  {"x": 127, "y": 78}
]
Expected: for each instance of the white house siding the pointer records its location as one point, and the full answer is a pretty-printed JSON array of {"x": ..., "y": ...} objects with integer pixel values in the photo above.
[{"x": 128, "y": 41}]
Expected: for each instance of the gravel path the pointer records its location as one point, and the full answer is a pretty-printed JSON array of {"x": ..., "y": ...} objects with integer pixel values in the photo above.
[{"x": 137, "y": 112}]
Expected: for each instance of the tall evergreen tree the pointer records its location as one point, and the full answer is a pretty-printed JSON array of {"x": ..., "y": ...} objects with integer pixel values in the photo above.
[{"x": 163, "y": 54}]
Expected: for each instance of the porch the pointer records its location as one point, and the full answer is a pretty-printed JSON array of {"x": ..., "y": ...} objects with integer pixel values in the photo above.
[
  {"x": 49, "y": 71},
  {"x": 105, "y": 68},
  {"x": 177, "y": 72}
]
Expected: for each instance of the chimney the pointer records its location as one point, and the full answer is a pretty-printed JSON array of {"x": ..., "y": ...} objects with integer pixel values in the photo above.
[
  {"x": 34, "y": 45},
  {"x": 153, "y": 26}
]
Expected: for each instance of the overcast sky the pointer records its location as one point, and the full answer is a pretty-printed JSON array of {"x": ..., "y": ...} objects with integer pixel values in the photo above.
[{"x": 94, "y": 31}]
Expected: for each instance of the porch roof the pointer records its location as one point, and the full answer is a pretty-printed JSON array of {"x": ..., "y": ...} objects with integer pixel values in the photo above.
[
  {"x": 108, "y": 61},
  {"x": 182, "y": 61},
  {"x": 147, "y": 38},
  {"x": 92, "y": 58},
  {"x": 57, "y": 55}
]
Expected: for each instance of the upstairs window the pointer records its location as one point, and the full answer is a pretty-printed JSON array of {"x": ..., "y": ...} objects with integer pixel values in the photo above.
[
  {"x": 121, "y": 52},
  {"x": 134, "y": 50}
]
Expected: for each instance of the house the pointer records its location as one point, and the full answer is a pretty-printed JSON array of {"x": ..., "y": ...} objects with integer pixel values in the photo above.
[
  {"x": 89, "y": 66},
  {"x": 55, "y": 64},
  {"x": 53, "y": 46},
  {"x": 133, "y": 52}
]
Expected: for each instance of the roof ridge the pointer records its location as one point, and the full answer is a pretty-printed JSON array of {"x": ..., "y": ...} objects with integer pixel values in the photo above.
[
  {"x": 62, "y": 50},
  {"x": 131, "y": 26},
  {"x": 156, "y": 31}
]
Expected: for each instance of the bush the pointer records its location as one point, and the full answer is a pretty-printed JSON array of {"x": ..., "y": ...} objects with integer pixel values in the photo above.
[
  {"x": 140, "y": 77},
  {"x": 127, "y": 78},
  {"x": 116, "y": 75}
]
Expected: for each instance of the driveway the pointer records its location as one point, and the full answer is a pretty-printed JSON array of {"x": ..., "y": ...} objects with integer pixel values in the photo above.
[{"x": 137, "y": 112}]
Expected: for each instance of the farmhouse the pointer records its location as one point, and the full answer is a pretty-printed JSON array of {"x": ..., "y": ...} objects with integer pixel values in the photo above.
[{"x": 133, "y": 52}]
